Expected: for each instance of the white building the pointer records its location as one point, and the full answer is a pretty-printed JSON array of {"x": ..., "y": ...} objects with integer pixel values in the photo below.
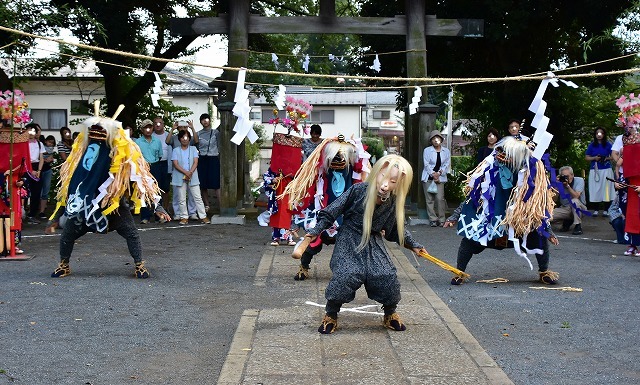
[
  {"x": 350, "y": 113},
  {"x": 66, "y": 98}
]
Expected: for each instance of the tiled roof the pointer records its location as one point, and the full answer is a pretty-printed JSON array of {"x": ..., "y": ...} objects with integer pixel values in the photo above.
[
  {"x": 178, "y": 83},
  {"x": 336, "y": 98}
]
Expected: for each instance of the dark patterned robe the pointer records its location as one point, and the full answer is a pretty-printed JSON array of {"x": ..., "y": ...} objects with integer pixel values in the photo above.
[{"x": 372, "y": 266}]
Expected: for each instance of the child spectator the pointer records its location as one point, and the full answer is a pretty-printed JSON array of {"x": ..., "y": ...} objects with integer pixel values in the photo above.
[
  {"x": 64, "y": 145},
  {"x": 47, "y": 172},
  {"x": 616, "y": 219},
  {"x": 185, "y": 178}
]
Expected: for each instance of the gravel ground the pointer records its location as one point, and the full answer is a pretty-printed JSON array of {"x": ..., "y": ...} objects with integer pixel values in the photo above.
[
  {"x": 547, "y": 336},
  {"x": 102, "y": 326}
]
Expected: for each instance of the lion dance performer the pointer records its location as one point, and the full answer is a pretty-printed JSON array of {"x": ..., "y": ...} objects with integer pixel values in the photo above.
[
  {"x": 328, "y": 172},
  {"x": 629, "y": 120},
  {"x": 509, "y": 201},
  {"x": 12, "y": 190},
  {"x": 285, "y": 161},
  {"x": 104, "y": 170},
  {"x": 371, "y": 210}
]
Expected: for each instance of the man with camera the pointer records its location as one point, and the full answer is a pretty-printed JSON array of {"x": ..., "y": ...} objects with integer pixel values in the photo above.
[{"x": 571, "y": 202}]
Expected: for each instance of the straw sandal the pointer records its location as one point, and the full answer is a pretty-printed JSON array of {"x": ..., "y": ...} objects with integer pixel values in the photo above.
[
  {"x": 549, "y": 277},
  {"x": 329, "y": 325},
  {"x": 141, "y": 271},
  {"x": 62, "y": 270},
  {"x": 302, "y": 274},
  {"x": 394, "y": 322}
]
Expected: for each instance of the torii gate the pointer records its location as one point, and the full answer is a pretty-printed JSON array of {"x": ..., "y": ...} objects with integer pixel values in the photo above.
[{"x": 239, "y": 23}]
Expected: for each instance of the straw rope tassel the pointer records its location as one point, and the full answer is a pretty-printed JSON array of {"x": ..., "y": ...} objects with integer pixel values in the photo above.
[
  {"x": 444, "y": 265},
  {"x": 306, "y": 175}
]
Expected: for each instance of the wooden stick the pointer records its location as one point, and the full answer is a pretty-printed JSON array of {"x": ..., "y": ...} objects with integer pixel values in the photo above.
[
  {"x": 444, "y": 265},
  {"x": 623, "y": 184},
  {"x": 297, "y": 253}
]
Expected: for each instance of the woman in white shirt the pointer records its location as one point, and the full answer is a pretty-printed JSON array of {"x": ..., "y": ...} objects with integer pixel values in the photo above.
[{"x": 437, "y": 163}]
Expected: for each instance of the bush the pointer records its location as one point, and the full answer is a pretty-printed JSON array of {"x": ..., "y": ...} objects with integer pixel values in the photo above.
[
  {"x": 460, "y": 166},
  {"x": 375, "y": 146}
]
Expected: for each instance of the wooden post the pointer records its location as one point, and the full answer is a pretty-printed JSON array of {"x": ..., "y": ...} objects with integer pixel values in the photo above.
[
  {"x": 416, "y": 68},
  {"x": 327, "y": 10},
  {"x": 228, "y": 161},
  {"x": 232, "y": 170},
  {"x": 427, "y": 120}
]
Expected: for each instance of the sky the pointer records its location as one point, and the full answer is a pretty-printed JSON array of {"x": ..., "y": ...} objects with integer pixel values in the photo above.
[{"x": 214, "y": 54}]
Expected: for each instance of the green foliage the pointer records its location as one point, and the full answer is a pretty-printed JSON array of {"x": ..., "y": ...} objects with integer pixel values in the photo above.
[
  {"x": 460, "y": 166},
  {"x": 137, "y": 26},
  {"x": 38, "y": 18},
  {"x": 509, "y": 48},
  {"x": 252, "y": 150},
  {"x": 169, "y": 111},
  {"x": 292, "y": 48},
  {"x": 628, "y": 29},
  {"x": 375, "y": 146}
]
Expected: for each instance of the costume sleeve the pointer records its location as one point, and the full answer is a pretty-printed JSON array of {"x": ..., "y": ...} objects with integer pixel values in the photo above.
[
  {"x": 329, "y": 214},
  {"x": 409, "y": 242},
  {"x": 456, "y": 213}
]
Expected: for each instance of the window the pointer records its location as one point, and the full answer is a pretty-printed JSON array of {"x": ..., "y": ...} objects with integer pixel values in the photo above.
[
  {"x": 267, "y": 114},
  {"x": 80, "y": 107},
  {"x": 49, "y": 119},
  {"x": 255, "y": 115},
  {"x": 380, "y": 114},
  {"x": 322, "y": 116}
]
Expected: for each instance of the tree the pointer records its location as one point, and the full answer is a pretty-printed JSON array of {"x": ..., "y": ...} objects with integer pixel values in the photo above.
[
  {"x": 293, "y": 48},
  {"x": 524, "y": 37},
  {"x": 137, "y": 26},
  {"x": 36, "y": 18},
  {"x": 629, "y": 29}
]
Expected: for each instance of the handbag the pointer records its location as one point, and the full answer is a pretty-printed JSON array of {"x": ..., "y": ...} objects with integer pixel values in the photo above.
[{"x": 433, "y": 188}]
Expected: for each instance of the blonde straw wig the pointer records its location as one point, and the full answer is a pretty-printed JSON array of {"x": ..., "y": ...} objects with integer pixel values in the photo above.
[{"x": 405, "y": 176}]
